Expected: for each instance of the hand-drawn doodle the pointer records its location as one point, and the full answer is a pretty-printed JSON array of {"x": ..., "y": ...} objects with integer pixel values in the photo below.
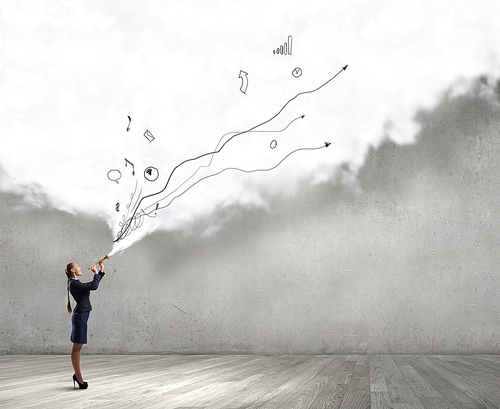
[
  {"x": 212, "y": 156},
  {"x": 137, "y": 217},
  {"x": 149, "y": 136},
  {"x": 244, "y": 81},
  {"x": 285, "y": 49},
  {"x": 129, "y": 120},
  {"x": 117, "y": 208},
  {"x": 273, "y": 144},
  {"x": 133, "y": 168},
  {"x": 114, "y": 175},
  {"x": 297, "y": 72},
  {"x": 325, "y": 145},
  {"x": 151, "y": 173}
]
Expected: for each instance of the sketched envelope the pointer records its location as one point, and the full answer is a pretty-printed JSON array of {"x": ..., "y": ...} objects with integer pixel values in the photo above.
[{"x": 149, "y": 136}]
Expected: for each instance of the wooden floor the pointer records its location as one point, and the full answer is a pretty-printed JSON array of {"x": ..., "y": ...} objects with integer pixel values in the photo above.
[{"x": 251, "y": 382}]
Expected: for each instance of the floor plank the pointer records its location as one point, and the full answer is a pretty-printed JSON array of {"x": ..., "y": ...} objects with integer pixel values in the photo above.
[
  {"x": 254, "y": 382},
  {"x": 438, "y": 377}
]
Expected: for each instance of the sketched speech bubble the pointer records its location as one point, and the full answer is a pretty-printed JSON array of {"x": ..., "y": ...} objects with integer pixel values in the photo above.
[{"x": 114, "y": 175}]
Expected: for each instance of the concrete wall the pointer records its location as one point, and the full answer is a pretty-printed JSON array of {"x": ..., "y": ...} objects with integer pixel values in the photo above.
[{"x": 400, "y": 257}]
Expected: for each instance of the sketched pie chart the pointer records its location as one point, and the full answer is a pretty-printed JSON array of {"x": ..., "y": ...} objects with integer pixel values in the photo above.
[{"x": 151, "y": 173}]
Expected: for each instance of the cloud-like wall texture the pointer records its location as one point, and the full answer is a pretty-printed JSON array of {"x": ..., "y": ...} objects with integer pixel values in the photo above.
[
  {"x": 385, "y": 241},
  {"x": 398, "y": 256}
]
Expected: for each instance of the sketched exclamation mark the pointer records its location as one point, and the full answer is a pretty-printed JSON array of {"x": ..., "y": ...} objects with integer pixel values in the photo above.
[{"x": 129, "y": 120}]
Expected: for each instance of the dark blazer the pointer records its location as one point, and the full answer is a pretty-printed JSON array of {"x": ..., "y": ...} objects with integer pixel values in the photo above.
[{"x": 81, "y": 292}]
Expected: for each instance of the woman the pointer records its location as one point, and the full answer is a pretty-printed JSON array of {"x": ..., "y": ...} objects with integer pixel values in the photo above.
[{"x": 81, "y": 294}]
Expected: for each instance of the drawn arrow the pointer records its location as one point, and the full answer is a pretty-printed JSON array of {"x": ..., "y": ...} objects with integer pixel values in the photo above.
[
  {"x": 133, "y": 219},
  {"x": 213, "y": 154},
  {"x": 244, "y": 81},
  {"x": 245, "y": 171},
  {"x": 127, "y": 225},
  {"x": 344, "y": 68}
]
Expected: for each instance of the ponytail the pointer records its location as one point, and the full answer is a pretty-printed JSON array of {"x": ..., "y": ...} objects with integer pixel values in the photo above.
[{"x": 69, "y": 274}]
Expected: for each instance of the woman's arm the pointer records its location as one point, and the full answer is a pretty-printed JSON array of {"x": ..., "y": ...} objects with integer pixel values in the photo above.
[{"x": 77, "y": 286}]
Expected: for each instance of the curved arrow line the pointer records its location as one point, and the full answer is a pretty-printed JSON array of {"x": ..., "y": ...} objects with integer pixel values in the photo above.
[
  {"x": 211, "y": 158},
  {"x": 235, "y": 132},
  {"x": 208, "y": 165},
  {"x": 234, "y": 136},
  {"x": 246, "y": 171}
]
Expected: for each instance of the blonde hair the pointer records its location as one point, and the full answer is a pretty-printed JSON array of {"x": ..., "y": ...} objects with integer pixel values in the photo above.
[{"x": 69, "y": 274}]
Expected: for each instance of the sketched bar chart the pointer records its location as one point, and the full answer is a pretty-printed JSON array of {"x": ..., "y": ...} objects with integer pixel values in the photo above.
[{"x": 285, "y": 49}]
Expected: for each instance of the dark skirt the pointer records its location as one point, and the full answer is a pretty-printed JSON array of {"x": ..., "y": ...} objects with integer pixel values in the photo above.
[{"x": 79, "y": 327}]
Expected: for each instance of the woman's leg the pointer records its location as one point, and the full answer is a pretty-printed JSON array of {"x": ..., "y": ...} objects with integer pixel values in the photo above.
[{"x": 75, "y": 360}]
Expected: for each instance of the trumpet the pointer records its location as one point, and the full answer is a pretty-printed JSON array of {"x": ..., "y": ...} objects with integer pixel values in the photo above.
[{"x": 101, "y": 260}]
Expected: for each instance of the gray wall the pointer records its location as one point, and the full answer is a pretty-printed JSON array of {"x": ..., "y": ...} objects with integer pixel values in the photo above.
[{"x": 398, "y": 257}]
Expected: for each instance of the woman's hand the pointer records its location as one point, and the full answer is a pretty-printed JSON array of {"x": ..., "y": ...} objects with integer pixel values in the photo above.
[
  {"x": 101, "y": 265},
  {"x": 94, "y": 269}
]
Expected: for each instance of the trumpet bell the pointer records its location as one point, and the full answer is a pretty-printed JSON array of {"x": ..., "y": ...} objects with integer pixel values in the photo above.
[{"x": 102, "y": 259}]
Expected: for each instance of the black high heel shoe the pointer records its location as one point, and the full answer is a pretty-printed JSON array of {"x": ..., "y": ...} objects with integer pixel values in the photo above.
[{"x": 83, "y": 385}]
